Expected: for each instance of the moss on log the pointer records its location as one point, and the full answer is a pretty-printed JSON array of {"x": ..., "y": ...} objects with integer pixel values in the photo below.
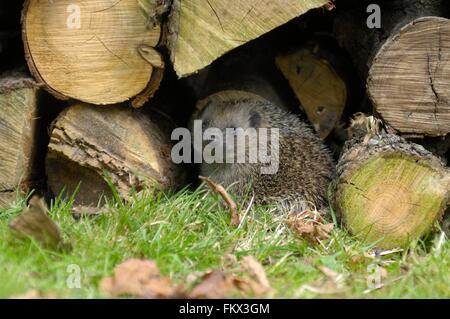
[{"x": 389, "y": 191}]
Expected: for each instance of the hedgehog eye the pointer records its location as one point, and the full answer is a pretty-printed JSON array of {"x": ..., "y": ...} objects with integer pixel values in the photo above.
[{"x": 255, "y": 119}]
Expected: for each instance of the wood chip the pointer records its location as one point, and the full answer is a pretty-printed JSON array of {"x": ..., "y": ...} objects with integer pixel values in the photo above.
[{"x": 310, "y": 226}]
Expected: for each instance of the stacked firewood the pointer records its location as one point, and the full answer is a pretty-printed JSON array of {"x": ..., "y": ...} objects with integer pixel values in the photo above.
[{"x": 127, "y": 72}]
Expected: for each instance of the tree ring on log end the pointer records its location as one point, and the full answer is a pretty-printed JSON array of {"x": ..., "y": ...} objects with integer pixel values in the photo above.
[
  {"x": 88, "y": 50},
  {"x": 409, "y": 81},
  {"x": 392, "y": 198}
]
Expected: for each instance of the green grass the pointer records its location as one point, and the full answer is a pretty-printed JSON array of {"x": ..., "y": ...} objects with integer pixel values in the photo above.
[{"x": 190, "y": 232}]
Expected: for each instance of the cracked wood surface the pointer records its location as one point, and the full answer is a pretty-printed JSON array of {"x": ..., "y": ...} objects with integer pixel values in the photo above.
[
  {"x": 18, "y": 123},
  {"x": 409, "y": 81},
  {"x": 133, "y": 149},
  {"x": 88, "y": 50},
  {"x": 388, "y": 190},
  {"x": 202, "y": 31}
]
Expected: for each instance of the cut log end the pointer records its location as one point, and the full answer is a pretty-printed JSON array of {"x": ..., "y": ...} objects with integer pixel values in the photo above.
[
  {"x": 89, "y": 146},
  {"x": 321, "y": 91},
  {"x": 89, "y": 50},
  {"x": 390, "y": 191},
  {"x": 410, "y": 78}
]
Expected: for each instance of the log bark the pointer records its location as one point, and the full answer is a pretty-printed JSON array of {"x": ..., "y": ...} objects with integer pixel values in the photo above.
[
  {"x": 316, "y": 72},
  {"x": 19, "y": 131},
  {"x": 93, "y": 51},
  {"x": 91, "y": 146},
  {"x": 387, "y": 190},
  {"x": 404, "y": 62},
  {"x": 199, "y": 32}
]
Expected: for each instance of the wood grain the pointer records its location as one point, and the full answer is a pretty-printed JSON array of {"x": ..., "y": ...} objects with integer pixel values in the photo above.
[
  {"x": 18, "y": 123},
  {"x": 202, "y": 31},
  {"x": 90, "y": 145},
  {"x": 389, "y": 191},
  {"x": 95, "y": 61},
  {"x": 321, "y": 91},
  {"x": 409, "y": 81}
]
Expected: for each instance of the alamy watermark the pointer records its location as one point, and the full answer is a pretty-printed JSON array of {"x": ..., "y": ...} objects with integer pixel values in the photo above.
[
  {"x": 374, "y": 19},
  {"x": 227, "y": 146},
  {"x": 73, "y": 280}
]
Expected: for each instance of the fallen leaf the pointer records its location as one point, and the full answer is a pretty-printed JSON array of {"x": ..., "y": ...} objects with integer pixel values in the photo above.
[
  {"x": 139, "y": 278},
  {"x": 214, "y": 285},
  {"x": 34, "y": 222},
  {"x": 235, "y": 218},
  {"x": 218, "y": 285},
  {"x": 257, "y": 270},
  {"x": 310, "y": 226}
]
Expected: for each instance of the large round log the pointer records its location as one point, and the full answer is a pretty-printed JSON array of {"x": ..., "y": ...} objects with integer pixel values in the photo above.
[
  {"x": 387, "y": 190},
  {"x": 92, "y": 51},
  {"x": 404, "y": 61},
  {"x": 409, "y": 81},
  {"x": 89, "y": 146}
]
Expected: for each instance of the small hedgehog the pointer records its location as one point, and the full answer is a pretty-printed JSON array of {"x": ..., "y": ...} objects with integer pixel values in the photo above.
[{"x": 305, "y": 166}]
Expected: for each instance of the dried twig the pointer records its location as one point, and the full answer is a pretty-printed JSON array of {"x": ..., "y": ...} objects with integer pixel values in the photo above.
[{"x": 235, "y": 218}]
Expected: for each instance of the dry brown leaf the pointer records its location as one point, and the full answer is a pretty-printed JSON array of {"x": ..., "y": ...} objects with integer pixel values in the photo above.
[
  {"x": 235, "y": 218},
  {"x": 34, "y": 222},
  {"x": 218, "y": 285},
  {"x": 257, "y": 270},
  {"x": 139, "y": 278},
  {"x": 310, "y": 226},
  {"x": 214, "y": 285}
]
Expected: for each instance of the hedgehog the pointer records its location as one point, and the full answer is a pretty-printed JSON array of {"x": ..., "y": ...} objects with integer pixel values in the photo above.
[{"x": 304, "y": 164}]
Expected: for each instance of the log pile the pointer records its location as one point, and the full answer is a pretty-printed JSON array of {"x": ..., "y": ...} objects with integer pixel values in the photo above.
[{"x": 101, "y": 59}]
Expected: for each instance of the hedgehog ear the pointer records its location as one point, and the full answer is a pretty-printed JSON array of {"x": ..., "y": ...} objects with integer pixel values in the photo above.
[{"x": 255, "y": 119}]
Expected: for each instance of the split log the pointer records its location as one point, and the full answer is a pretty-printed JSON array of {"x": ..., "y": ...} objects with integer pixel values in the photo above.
[
  {"x": 405, "y": 62},
  {"x": 387, "y": 190},
  {"x": 199, "y": 32},
  {"x": 98, "y": 52},
  {"x": 89, "y": 146},
  {"x": 317, "y": 74},
  {"x": 19, "y": 126}
]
